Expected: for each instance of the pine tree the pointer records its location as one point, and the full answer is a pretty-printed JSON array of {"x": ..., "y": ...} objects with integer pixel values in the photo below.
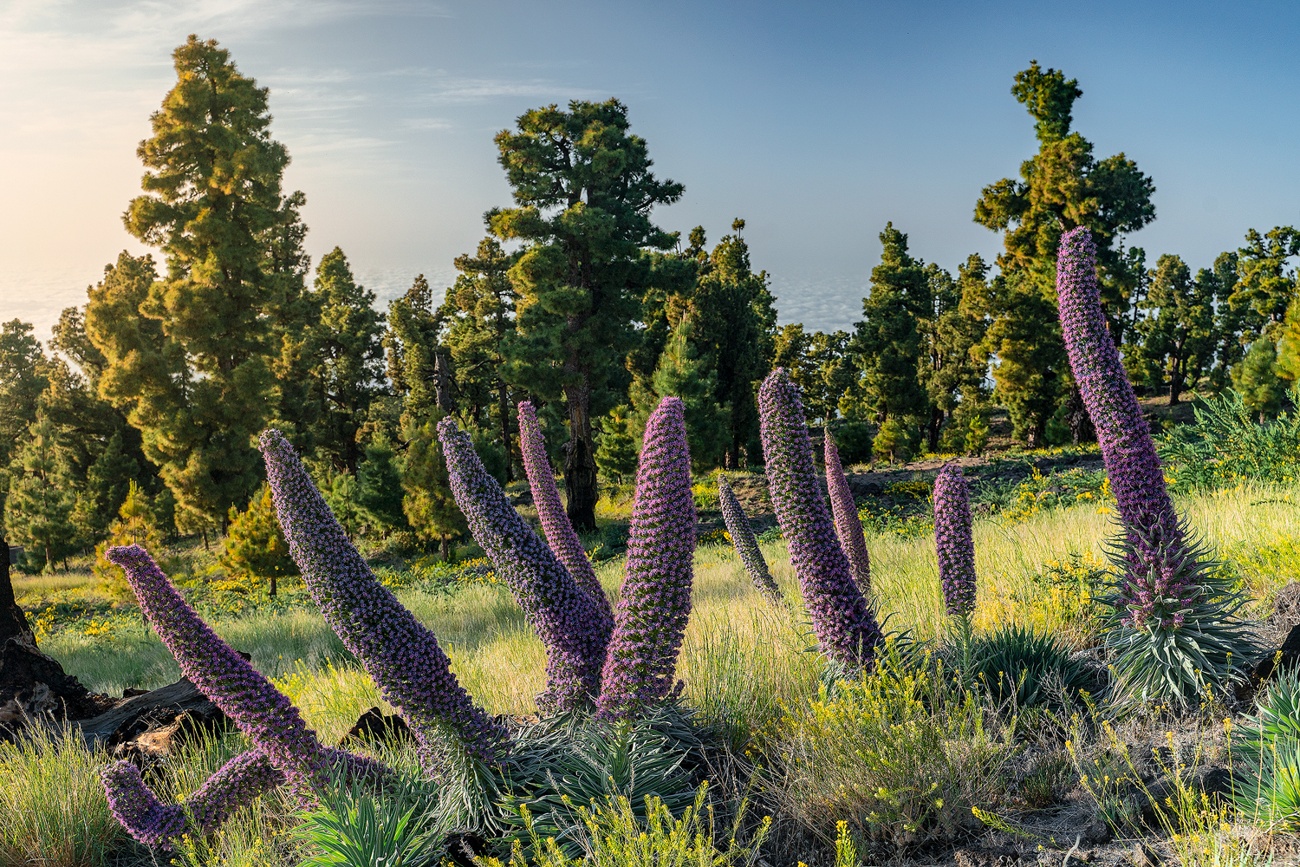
[
  {"x": 616, "y": 447},
  {"x": 583, "y": 191},
  {"x": 428, "y": 503},
  {"x": 953, "y": 369},
  {"x": 212, "y": 329},
  {"x": 733, "y": 316},
  {"x": 1256, "y": 378},
  {"x": 479, "y": 312},
  {"x": 107, "y": 482},
  {"x": 887, "y": 343},
  {"x": 38, "y": 510},
  {"x": 347, "y": 359},
  {"x": 1061, "y": 187},
  {"x": 255, "y": 546},
  {"x": 1177, "y": 336},
  {"x": 379, "y": 488},
  {"x": 682, "y": 373},
  {"x": 22, "y": 379},
  {"x": 137, "y": 523}
]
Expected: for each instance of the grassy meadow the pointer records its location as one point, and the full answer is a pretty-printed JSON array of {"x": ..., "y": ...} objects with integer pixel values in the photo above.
[{"x": 748, "y": 668}]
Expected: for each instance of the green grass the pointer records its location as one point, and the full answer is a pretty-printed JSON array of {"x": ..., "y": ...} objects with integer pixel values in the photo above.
[{"x": 746, "y": 664}]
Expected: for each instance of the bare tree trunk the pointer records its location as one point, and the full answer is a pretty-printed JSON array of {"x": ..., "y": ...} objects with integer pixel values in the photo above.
[
  {"x": 503, "y": 405},
  {"x": 580, "y": 489},
  {"x": 13, "y": 622}
]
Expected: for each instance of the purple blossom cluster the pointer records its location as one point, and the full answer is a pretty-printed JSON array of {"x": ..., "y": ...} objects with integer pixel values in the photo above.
[
  {"x": 566, "y": 618},
  {"x": 848, "y": 526},
  {"x": 560, "y": 535},
  {"x": 243, "y": 694},
  {"x": 953, "y": 540},
  {"x": 656, "y": 599},
  {"x": 845, "y": 627},
  {"x": 1155, "y": 590},
  {"x": 238, "y": 782},
  {"x": 401, "y": 655},
  {"x": 742, "y": 537}
]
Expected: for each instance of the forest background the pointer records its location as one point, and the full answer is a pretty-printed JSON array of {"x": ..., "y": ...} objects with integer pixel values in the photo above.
[{"x": 136, "y": 420}]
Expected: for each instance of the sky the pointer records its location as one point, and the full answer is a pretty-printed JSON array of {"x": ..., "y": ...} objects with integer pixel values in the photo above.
[{"x": 816, "y": 123}]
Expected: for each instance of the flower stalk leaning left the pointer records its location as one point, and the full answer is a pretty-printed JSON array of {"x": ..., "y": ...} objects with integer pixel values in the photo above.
[{"x": 285, "y": 750}]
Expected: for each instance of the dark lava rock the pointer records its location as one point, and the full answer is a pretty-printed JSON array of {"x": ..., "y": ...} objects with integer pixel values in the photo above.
[{"x": 375, "y": 725}]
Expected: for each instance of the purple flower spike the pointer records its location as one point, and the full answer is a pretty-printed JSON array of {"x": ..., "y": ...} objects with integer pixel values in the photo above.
[
  {"x": 845, "y": 627},
  {"x": 742, "y": 537},
  {"x": 848, "y": 526},
  {"x": 260, "y": 711},
  {"x": 1154, "y": 534},
  {"x": 953, "y": 540},
  {"x": 566, "y": 618},
  {"x": 656, "y": 599},
  {"x": 238, "y": 782},
  {"x": 560, "y": 535},
  {"x": 400, "y": 654}
]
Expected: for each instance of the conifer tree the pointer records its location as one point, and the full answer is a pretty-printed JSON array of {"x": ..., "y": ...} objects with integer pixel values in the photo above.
[
  {"x": 1177, "y": 336},
  {"x": 1061, "y": 187},
  {"x": 22, "y": 379},
  {"x": 255, "y": 546},
  {"x": 887, "y": 343},
  {"x": 733, "y": 316},
  {"x": 136, "y": 523},
  {"x": 38, "y": 510},
  {"x": 1256, "y": 378},
  {"x": 616, "y": 448},
  {"x": 583, "y": 192},
  {"x": 682, "y": 373},
  {"x": 347, "y": 359},
  {"x": 479, "y": 312},
  {"x": 952, "y": 368},
  {"x": 211, "y": 330}
]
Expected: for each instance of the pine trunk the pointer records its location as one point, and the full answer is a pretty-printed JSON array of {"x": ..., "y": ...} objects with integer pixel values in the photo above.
[{"x": 580, "y": 491}]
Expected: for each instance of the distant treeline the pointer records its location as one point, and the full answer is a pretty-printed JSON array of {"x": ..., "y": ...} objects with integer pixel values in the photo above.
[{"x": 140, "y": 416}]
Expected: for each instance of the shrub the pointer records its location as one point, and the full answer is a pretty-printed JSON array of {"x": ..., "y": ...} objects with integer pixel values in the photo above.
[
  {"x": 615, "y": 834},
  {"x": 902, "y": 754},
  {"x": 1226, "y": 445},
  {"x": 572, "y": 762},
  {"x": 1021, "y": 669}
]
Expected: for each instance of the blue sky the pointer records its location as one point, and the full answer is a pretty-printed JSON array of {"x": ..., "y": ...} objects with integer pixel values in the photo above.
[{"x": 816, "y": 123}]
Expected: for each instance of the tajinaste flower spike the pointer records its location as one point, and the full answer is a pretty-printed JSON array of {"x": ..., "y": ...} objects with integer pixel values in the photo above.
[
  {"x": 742, "y": 537},
  {"x": 1144, "y": 505},
  {"x": 240, "y": 781},
  {"x": 953, "y": 540},
  {"x": 845, "y": 627},
  {"x": 560, "y": 535},
  {"x": 237, "y": 783},
  {"x": 566, "y": 618},
  {"x": 1174, "y": 627},
  {"x": 253, "y": 704},
  {"x": 401, "y": 655},
  {"x": 848, "y": 526},
  {"x": 656, "y": 599}
]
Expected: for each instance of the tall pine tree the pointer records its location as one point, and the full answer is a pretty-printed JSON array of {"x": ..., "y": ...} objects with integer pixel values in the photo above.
[{"x": 583, "y": 192}]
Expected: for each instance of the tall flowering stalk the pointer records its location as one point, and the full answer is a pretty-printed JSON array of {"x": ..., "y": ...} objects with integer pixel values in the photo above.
[
  {"x": 845, "y": 627},
  {"x": 953, "y": 540},
  {"x": 560, "y": 535},
  {"x": 656, "y": 600},
  {"x": 284, "y": 748},
  {"x": 742, "y": 537},
  {"x": 401, "y": 655},
  {"x": 848, "y": 526},
  {"x": 565, "y": 617},
  {"x": 1174, "y": 619},
  {"x": 252, "y": 703}
]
